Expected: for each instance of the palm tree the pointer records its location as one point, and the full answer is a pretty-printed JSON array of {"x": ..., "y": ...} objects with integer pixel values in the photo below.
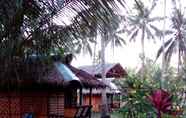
[
  {"x": 177, "y": 40},
  {"x": 99, "y": 18},
  {"x": 27, "y": 28},
  {"x": 142, "y": 24},
  {"x": 87, "y": 26}
]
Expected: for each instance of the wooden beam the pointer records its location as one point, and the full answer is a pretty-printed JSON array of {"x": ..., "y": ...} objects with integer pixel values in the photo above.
[
  {"x": 111, "y": 100},
  {"x": 80, "y": 97},
  {"x": 90, "y": 97},
  {"x": 90, "y": 101}
]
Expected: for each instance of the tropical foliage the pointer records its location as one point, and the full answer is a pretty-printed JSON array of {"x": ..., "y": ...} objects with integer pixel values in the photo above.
[
  {"x": 136, "y": 93},
  {"x": 135, "y": 101},
  {"x": 25, "y": 27}
]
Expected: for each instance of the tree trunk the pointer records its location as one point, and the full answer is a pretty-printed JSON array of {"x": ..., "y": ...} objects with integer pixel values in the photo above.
[
  {"x": 94, "y": 53},
  {"x": 164, "y": 64},
  {"x": 143, "y": 54},
  {"x": 179, "y": 63},
  {"x": 104, "y": 106}
]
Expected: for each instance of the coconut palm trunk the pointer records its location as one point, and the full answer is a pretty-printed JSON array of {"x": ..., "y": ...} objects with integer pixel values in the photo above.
[
  {"x": 164, "y": 63},
  {"x": 104, "y": 108},
  {"x": 179, "y": 62},
  {"x": 179, "y": 49},
  {"x": 143, "y": 53}
]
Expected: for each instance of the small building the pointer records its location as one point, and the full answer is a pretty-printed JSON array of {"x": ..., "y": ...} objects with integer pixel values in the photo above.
[
  {"x": 31, "y": 88},
  {"x": 111, "y": 90},
  {"x": 89, "y": 83},
  {"x": 112, "y": 71}
]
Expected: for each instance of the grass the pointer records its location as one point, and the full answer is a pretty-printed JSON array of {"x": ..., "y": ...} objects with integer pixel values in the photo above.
[
  {"x": 113, "y": 115},
  {"x": 116, "y": 115}
]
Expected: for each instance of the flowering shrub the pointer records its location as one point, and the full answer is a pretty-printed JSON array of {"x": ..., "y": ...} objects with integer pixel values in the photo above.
[{"x": 162, "y": 101}]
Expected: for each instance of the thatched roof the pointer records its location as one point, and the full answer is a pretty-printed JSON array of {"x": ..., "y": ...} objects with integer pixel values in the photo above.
[
  {"x": 87, "y": 79},
  {"x": 29, "y": 74},
  {"x": 60, "y": 74},
  {"x": 34, "y": 74},
  {"x": 111, "y": 70}
]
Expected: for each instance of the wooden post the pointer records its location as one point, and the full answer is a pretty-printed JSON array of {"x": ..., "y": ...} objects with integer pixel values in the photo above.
[
  {"x": 90, "y": 101},
  {"x": 120, "y": 98},
  {"x": 9, "y": 104},
  {"x": 111, "y": 100},
  {"x": 80, "y": 97},
  {"x": 90, "y": 97},
  {"x": 48, "y": 104}
]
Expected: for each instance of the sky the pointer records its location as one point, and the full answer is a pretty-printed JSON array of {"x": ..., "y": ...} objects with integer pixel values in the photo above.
[{"x": 128, "y": 56}]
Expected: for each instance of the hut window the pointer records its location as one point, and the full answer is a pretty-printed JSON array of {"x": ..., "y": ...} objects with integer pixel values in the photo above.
[{"x": 70, "y": 98}]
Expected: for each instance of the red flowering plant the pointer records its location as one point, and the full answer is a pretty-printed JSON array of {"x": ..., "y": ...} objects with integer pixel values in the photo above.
[{"x": 162, "y": 101}]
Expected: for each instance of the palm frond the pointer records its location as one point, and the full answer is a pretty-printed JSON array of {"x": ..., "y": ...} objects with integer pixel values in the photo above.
[
  {"x": 121, "y": 31},
  {"x": 156, "y": 19},
  {"x": 182, "y": 46},
  {"x": 159, "y": 32},
  {"x": 154, "y": 3},
  {"x": 133, "y": 35},
  {"x": 139, "y": 6},
  {"x": 123, "y": 3},
  {"x": 169, "y": 51},
  {"x": 119, "y": 41},
  {"x": 149, "y": 34},
  {"x": 160, "y": 51}
]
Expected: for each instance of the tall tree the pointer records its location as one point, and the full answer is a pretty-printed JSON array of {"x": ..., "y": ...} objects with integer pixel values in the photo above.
[
  {"x": 177, "y": 41},
  {"x": 142, "y": 24},
  {"x": 26, "y": 27}
]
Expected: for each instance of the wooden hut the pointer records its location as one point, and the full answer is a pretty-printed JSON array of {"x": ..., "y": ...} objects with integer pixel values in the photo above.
[
  {"x": 111, "y": 90},
  {"x": 36, "y": 89},
  {"x": 112, "y": 71},
  {"x": 89, "y": 83}
]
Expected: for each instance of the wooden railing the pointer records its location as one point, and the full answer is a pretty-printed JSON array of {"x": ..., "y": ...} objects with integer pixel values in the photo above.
[{"x": 78, "y": 112}]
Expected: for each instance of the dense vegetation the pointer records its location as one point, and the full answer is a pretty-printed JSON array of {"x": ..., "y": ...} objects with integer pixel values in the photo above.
[{"x": 139, "y": 95}]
